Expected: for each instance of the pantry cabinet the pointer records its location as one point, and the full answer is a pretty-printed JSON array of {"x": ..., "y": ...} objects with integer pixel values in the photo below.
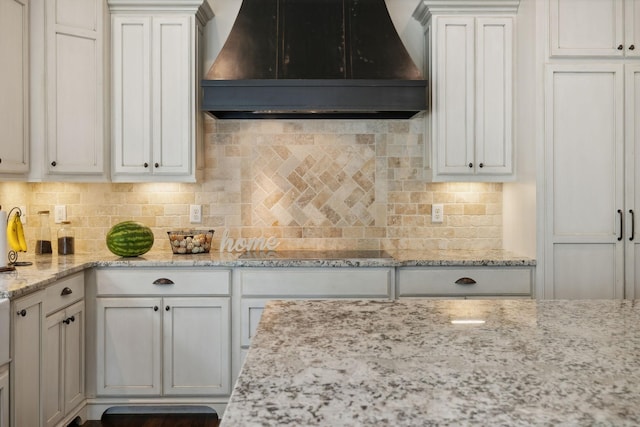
[
  {"x": 26, "y": 353},
  {"x": 14, "y": 87},
  {"x": 162, "y": 332},
  {"x": 469, "y": 53},
  {"x": 156, "y": 121},
  {"x": 603, "y": 28},
  {"x": 591, "y": 180}
]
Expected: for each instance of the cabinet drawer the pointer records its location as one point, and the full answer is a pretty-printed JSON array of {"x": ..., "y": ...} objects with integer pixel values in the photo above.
[
  {"x": 64, "y": 292},
  {"x": 464, "y": 281},
  {"x": 317, "y": 282},
  {"x": 151, "y": 281}
]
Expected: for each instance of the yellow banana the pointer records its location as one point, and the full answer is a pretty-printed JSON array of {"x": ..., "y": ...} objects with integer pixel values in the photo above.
[
  {"x": 20, "y": 232},
  {"x": 12, "y": 236}
]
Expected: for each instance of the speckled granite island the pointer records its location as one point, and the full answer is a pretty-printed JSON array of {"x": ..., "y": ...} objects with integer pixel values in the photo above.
[{"x": 436, "y": 362}]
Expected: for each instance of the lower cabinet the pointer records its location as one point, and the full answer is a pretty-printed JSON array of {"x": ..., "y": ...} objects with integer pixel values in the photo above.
[
  {"x": 162, "y": 332},
  {"x": 259, "y": 285},
  {"x": 465, "y": 282},
  {"x": 4, "y": 395},
  {"x": 26, "y": 352},
  {"x": 63, "y": 360}
]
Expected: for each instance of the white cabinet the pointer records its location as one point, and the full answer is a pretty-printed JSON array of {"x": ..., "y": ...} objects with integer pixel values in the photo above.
[
  {"x": 26, "y": 352},
  {"x": 68, "y": 91},
  {"x": 163, "y": 332},
  {"x": 602, "y": 28},
  {"x": 465, "y": 282},
  {"x": 4, "y": 396},
  {"x": 75, "y": 87},
  {"x": 14, "y": 87},
  {"x": 258, "y": 285},
  {"x": 586, "y": 206},
  {"x": 469, "y": 56},
  {"x": 64, "y": 349},
  {"x": 156, "y": 73}
]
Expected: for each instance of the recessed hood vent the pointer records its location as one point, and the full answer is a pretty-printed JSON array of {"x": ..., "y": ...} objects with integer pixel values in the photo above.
[{"x": 313, "y": 59}]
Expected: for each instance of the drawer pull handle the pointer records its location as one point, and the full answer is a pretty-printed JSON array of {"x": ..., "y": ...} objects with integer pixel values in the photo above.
[
  {"x": 163, "y": 281},
  {"x": 69, "y": 320},
  {"x": 465, "y": 281},
  {"x": 66, "y": 291}
]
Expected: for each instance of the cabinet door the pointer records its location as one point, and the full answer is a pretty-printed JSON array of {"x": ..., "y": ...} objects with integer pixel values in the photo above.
[
  {"x": 4, "y": 396},
  {"x": 14, "y": 86},
  {"x": 27, "y": 336},
  {"x": 131, "y": 74},
  {"x": 53, "y": 368},
  {"x": 73, "y": 361},
  {"x": 632, "y": 181},
  {"x": 128, "y": 346},
  {"x": 494, "y": 96},
  {"x": 586, "y": 28},
  {"x": 632, "y": 28},
  {"x": 584, "y": 177},
  {"x": 454, "y": 100},
  {"x": 172, "y": 68},
  {"x": 196, "y": 346},
  {"x": 75, "y": 98}
]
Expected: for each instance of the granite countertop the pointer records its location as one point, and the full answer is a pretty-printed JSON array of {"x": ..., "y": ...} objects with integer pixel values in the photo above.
[
  {"x": 48, "y": 268},
  {"x": 403, "y": 363}
]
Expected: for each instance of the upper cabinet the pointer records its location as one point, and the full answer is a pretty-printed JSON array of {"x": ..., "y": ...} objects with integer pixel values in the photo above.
[
  {"x": 68, "y": 114},
  {"x": 469, "y": 54},
  {"x": 14, "y": 87},
  {"x": 156, "y": 120},
  {"x": 603, "y": 28}
]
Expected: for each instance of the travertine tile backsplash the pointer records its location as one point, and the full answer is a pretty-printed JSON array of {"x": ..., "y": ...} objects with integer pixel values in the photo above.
[{"x": 313, "y": 184}]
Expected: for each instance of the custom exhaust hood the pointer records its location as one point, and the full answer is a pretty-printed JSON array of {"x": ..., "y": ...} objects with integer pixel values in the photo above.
[{"x": 313, "y": 59}]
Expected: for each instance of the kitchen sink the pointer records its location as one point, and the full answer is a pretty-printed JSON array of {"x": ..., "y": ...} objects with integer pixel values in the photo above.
[{"x": 4, "y": 331}]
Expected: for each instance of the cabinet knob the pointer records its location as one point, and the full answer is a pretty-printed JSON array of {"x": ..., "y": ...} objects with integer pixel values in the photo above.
[
  {"x": 53, "y": 163},
  {"x": 481, "y": 165},
  {"x": 66, "y": 291},
  {"x": 66, "y": 321},
  {"x": 156, "y": 165},
  {"x": 146, "y": 165},
  {"x": 155, "y": 308},
  {"x": 620, "y": 47},
  {"x": 0, "y": 160},
  {"x": 22, "y": 312},
  {"x": 470, "y": 165},
  {"x": 632, "y": 47},
  {"x": 465, "y": 281},
  {"x": 167, "y": 308}
]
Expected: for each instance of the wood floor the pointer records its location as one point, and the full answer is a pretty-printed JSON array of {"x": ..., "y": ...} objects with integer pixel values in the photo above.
[{"x": 154, "y": 420}]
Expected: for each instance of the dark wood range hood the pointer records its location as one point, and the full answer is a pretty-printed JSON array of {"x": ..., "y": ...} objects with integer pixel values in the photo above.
[{"x": 313, "y": 59}]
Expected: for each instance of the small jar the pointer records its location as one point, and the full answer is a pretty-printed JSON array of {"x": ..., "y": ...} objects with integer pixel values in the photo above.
[
  {"x": 43, "y": 237},
  {"x": 66, "y": 239}
]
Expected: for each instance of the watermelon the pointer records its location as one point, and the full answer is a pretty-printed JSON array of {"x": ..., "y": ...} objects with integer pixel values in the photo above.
[{"x": 129, "y": 239}]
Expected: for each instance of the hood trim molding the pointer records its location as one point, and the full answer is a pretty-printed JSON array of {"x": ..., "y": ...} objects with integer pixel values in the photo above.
[{"x": 267, "y": 98}]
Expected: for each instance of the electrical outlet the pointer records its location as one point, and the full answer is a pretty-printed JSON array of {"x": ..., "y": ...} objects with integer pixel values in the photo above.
[
  {"x": 437, "y": 212},
  {"x": 59, "y": 213},
  {"x": 195, "y": 214}
]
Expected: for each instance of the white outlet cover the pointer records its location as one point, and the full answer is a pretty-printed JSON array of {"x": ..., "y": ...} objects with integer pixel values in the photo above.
[
  {"x": 59, "y": 213},
  {"x": 195, "y": 214},
  {"x": 437, "y": 213}
]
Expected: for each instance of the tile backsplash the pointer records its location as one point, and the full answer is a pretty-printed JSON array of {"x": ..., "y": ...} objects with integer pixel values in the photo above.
[{"x": 314, "y": 184}]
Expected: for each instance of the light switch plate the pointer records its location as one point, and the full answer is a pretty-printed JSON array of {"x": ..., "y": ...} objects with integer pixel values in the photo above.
[
  {"x": 437, "y": 212},
  {"x": 59, "y": 213},
  {"x": 195, "y": 214}
]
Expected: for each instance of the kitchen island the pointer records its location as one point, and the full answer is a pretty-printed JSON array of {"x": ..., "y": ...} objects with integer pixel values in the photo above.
[{"x": 437, "y": 362}]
